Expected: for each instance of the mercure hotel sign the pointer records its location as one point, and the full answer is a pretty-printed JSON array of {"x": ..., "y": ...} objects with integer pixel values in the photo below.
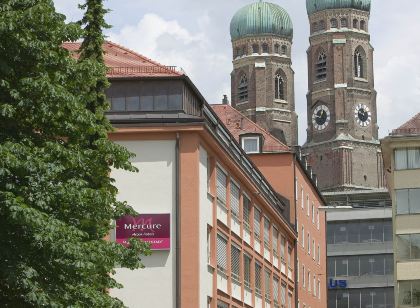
[{"x": 151, "y": 228}]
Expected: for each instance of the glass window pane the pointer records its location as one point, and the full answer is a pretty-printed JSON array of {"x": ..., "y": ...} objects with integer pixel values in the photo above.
[
  {"x": 415, "y": 285},
  {"x": 342, "y": 300},
  {"x": 146, "y": 103},
  {"x": 388, "y": 231},
  {"x": 366, "y": 229},
  {"x": 118, "y": 104},
  {"x": 353, "y": 266},
  {"x": 403, "y": 247},
  {"x": 401, "y": 159},
  {"x": 133, "y": 103},
  {"x": 414, "y": 198},
  {"x": 378, "y": 265},
  {"x": 341, "y": 235},
  {"x": 354, "y": 299},
  {"x": 402, "y": 201},
  {"x": 389, "y": 265},
  {"x": 404, "y": 293},
  {"x": 389, "y": 297},
  {"x": 377, "y": 230},
  {"x": 378, "y": 298},
  {"x": 341, "y": 266},
  {"x": 365, "y": 266},
  {"x": 331, "y": 267},
  {"x": 353, "y": 232},
  {"x": 161, "y": 102},
  {"x": 250, "y": 145},
  {"x": 175, "y": 102},
  {"x": 331, "y": 299},
  {"x": 415, "y": 246},
  {"x": 330, "y": 233},
  {"x": 413, "y": 158},
  {"x": 366, "y": 298}
]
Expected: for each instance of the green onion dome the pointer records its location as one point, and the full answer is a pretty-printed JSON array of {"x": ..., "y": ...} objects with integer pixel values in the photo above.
[
  {"x": 261, "y": 18},
  {"x": 313, "y": 6}
]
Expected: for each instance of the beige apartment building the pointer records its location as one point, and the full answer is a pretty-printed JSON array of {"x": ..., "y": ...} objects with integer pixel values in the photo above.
[{"x": 401, "y": 152}]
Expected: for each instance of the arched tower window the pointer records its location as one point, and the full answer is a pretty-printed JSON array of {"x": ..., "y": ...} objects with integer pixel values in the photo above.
[
  {"x": 265, "y": 48},
  {"x": 344, "y": 23},
  {"x": 334, "y": 23},
  {"x": 244, "y": 51},
  {"x": 243, "y": 89},
  {"x": 363, "y": 25},
  {"x": 284, "y": 50},
  {"x": 359, "y": 63},
  {"x": 355, "y": 24},
  {"x": 321, "y": 26},
  {"x": 321, "y": 66},
  {"x": 279, "y": 86},
  {"x": 255, "y": 48},
  {"x": 314, "y": 27},
  {"x": 277, "y": 48}
]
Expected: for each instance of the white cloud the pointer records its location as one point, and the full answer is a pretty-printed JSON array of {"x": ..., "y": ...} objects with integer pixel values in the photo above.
[{"x": 167, "y": 42}]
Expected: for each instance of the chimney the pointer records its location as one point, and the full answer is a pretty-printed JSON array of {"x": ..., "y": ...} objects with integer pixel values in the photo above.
[{"x": 225, "y": 100}]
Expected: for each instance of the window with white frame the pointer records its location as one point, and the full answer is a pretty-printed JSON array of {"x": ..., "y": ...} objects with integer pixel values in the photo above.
[
  {"x": 309, "y": 282},
  {"x": 279, "y": 86},
  {"x": 234, "y": 200},
  {"x": 247, "y": 212},
  {"x": 314, "y": 285},
  {"x": 221, "y": 253},
  {"x": 235, "y": 257},
  {"x": 208, "y": 244},
  {"x": 309, "y": 244},
  {"x": 313, "y": 212},
  {"x": 251, "y": 144},
  {"x": 258, "y": 281},
  {"x": 282, "y": 249},
  {"x": 319, "y": 289},
  {"x": 307, "y": 205},
  {"x": 247, "y": 271},
  {"x": 221, "y": 183},
  {"x": 257, "y": 224},
  {"x": 303, "y": 276},
  {"x": 289, "y": 257},
  {"x": 266, "y": 232},
  {"x": 407, "y": 158},
  {"x": 275, "y": 242},
  {"x": 317, "y": 219},
  {"x": 283, "y": 295},
  {"x": 276, "y": 291},
  {"x": 319, "y": 255},
  {"x": 313, "y": 249},
  {"x": 303, "y": 236},
  {"x": 296, "y": 188},
  {"x": 267, "y": 285}
]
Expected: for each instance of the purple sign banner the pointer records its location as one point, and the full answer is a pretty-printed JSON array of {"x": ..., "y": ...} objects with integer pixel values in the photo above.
[{"x": 151, "y": 228}]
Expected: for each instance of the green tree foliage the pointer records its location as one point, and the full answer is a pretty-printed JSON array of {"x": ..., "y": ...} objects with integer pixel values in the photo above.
[{"x": 57, "y": 200}]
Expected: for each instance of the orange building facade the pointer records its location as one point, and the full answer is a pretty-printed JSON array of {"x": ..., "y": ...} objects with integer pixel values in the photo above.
[{"x": 291, "y": 177}]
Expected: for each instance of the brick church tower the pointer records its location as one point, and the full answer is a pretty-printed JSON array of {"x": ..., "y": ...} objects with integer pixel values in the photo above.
[
  {"x": 263, "y": 79},
  {"x": 342, "y": 136}
]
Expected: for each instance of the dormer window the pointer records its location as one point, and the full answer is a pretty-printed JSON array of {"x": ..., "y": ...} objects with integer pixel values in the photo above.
[{"x": 251, "y": 144}]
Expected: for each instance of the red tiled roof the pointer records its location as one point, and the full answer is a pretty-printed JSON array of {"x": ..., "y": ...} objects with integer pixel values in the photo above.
[
  {"x": 123, "y": 62},
  {"x": 410, "y": 127},
  {"x": 239, "y": 125}
]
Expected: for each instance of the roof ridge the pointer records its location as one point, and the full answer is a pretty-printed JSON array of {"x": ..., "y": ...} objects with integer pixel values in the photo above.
[{"x": 252, "y": 122}]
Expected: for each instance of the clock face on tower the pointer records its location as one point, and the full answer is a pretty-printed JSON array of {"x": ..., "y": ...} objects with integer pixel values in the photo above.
[
  {"x": 321, "y": 117},
  {"x": 362, "y": 115}
]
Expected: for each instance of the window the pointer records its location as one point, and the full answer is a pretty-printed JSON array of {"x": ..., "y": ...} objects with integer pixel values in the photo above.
[
  {"x": 247, "y": 212},
  {"x": 363, "y": 25},
  {"x": 282, "y": 249},
  {"x": 408, "y": 247},
  {"x": 309, "y": 282},
  {"x": 243, "y": 89},
  {"x": 289, "y": 302},
  {"x": 267, "y": 285},
  {"x": 313, "y": 213},
  {"x": 321, "y": 25},
  {"x": 208, "y": 244},
  {"x": 296, "y": 190},
  {"x": 315, "y": 27},
  {"x": 317, "y": 219},
  {"x": 314, "y": 285},
  {"x": 234, "y": 200},
  {"x": 283, "y": 50},
  {"x": 303, "y": 200},
  {"x": 289, "y": 257},
  {"x": 407, "y": 159},
  {"x": 344, "y": 23},
  {"x": 251, "y": 144},
  {"x": 276, "y": 291},
  {"x": 283, "y": 294},
  {"x": 265, "y": 48},
  {"x": 247, "y": 271},
  {"x": 303, "y": 276},
  {"x": 221, "y": 254},
  {"x": 255, "y": 48},
  {"x": 221, "y": 187},
  {"x": 266, "y": 232},
  {"x": 221, "y": 304},
  {"x": 307, "y": 205},
  {"x": 258, "y": 278},
  {"x": 277, "y": 49},
  {"x": 408, "y": 201},
  {"x": 355, "y": 24},
  {"x": 257, "y": 220},
  {"x": 321, "y": 67},
  {"x": 244, "y": 51},
  {"x": 334, "y": 23},
  {"x": 303, "y": 236},
  {"x": 319, "y": 289},
  {"x": 298, "y": 270},
  {"x": 318, "y": 256},
  {"x": 313, "y": 249},
  {"x": 409, "y": 293},
  {"x": 275, "y": 242},
  {"x": 359, "y": 63},
  {"x": 235, "y": 257},
  {"x": 279, "y": 86}
]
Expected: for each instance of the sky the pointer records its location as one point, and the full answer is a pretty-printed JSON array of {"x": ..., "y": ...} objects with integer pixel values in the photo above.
[{"x": 194, "y": 35}]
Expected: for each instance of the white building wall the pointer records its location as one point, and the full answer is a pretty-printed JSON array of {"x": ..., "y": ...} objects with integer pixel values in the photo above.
[
  {"x": 150, "y": 191},
  {"x": 206, "y": 210}
]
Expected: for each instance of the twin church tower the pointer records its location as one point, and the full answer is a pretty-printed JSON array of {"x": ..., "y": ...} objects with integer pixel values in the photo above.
[{"x": 342, "y": 133}]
